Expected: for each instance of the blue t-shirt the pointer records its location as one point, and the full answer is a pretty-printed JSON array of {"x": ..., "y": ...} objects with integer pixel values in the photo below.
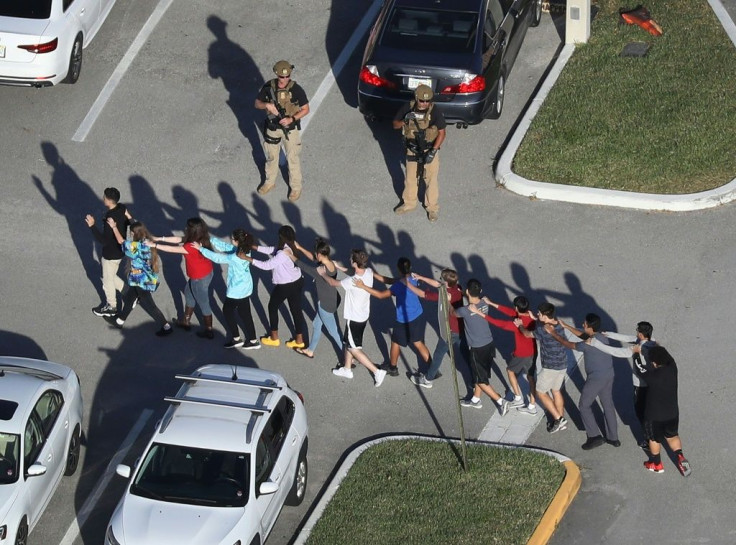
[{"x": 408, "y": 307}]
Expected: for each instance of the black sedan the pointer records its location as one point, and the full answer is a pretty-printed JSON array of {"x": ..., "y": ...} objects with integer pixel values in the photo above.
[{"x": 463, "y": 49}]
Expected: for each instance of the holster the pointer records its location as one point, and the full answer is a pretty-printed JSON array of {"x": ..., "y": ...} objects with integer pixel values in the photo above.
[{"x": 270, "y": 124}]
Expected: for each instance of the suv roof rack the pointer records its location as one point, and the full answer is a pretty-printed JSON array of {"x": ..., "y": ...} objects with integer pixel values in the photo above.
[
  {"x": 264, "y": 385},
  {"x": 217, "y": 403}
]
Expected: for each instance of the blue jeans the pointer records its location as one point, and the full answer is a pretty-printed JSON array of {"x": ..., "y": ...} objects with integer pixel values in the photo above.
[
  {"x": 329, "y": 320},
  {"x": 197, "y": 292},
  {"x": 440, "y": 352}
]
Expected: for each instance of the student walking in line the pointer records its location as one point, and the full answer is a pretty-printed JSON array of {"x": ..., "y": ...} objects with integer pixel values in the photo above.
[
  {"x": 199, "y": 273},
  {"x": 288, "y": 284},
  {"x": 450, "y": 279},
  {"x": 598, "y": 381},
  {"x": 328, "y": 298},
  {"x": 409, "y": 324},
  {"x": 482, "y": 349},
  {"x": 523, "y": 356},
  {"x": 554, "y": 365},
  {"x": 239, "y": 285},
  {"x": 662, "y": 411},
  {"x": 142, "y": 277},
  {"x": 356, "y": 311},
  {"x": 112, "y": 252}
]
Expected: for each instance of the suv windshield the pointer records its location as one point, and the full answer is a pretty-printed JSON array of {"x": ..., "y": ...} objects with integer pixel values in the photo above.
[
  {"x": 190, "y": 475},
  {"x": 9, "y": 457},
  {"x": 431, "y": 30},
  {"x": 26, "y": 9}
]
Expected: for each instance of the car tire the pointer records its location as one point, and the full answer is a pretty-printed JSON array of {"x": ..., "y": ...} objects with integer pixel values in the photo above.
[
  {"x": 21, "y": 536},
  {"x": 299, "y": 487},
  {"x": 72, "y": 454},
  {"x": 497, "y": 106},
  {"x": 536, "y": 13},
  {"x": 75, "y": 61}
]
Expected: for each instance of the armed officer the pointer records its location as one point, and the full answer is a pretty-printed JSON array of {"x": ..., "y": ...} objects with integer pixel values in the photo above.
[
  {"x": 423, "y": 130},
  {"x": 286, "y": 105}
]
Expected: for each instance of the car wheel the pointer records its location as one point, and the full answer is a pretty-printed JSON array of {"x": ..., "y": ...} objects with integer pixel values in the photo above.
[
  {"x": 21, "y": 536},
  {"x": 75, "y": 61},
  {"x": 536, "y": 13},
  {"x": 299, "y": 488},
  {"x": 72, "y": 455},
  {"x": 497, "y": 107}
]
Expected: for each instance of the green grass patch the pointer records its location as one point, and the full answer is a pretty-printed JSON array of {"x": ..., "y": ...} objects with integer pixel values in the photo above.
[
  {"x": 663, "y": 123},
  {"x": 414, "y": 491}
]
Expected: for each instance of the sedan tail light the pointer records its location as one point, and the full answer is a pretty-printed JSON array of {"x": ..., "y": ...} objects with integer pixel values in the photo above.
[
  {"x": 369, "y": 75},
  {"x": 471, "y": 84},
  {"x": 48, "y": 47}
]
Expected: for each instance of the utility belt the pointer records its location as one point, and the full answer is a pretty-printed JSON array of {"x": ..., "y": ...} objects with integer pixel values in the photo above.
[
  {"x": 274, "y": 125},
  {"x": 414, "y": 147}
]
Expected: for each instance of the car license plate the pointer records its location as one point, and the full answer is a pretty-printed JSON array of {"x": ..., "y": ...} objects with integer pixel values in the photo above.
[
  {"x": 2, "y": 51},
  {"x": 416, "y": 82}
]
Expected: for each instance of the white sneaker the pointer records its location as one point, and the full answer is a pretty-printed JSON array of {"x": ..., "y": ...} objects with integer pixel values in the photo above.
[
  {"x": 513, "y": 404},
  {"x": 378, "y": 377},
  {"x": 344, "y": 373},
  {"x": 527, "y": 410},
  {"x": 420, "y": 380}
]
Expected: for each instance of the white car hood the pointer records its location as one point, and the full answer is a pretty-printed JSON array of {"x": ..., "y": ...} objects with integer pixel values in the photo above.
[
  {"x": 152, "y": 522},
  {"x": 8, "y": 495}
]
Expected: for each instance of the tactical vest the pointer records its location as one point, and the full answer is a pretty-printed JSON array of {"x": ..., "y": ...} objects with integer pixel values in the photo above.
[
  {"x": 283, "y": 97},
  {"x": 424, "y": 124}
]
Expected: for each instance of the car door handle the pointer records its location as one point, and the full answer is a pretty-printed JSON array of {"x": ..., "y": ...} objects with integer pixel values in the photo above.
[
  {"x": 82, "y": 11},
  {"x": 49, "y": 458},
  {"x": 293, "y": 441},
  {"x": 66, "y": 424}
]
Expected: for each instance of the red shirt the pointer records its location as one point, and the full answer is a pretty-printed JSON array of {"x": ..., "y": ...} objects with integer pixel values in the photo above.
[
  {"x": 524, "y": 347},
  {"x": 197, "y": 265},
  {"x": 456, "y": 300}
]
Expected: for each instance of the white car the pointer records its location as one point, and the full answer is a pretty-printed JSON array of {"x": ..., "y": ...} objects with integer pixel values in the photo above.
[
  {"x": 229, "y": 452},
  {"x": 40, "y": 430},
  {"x": 41, "y": 41}
]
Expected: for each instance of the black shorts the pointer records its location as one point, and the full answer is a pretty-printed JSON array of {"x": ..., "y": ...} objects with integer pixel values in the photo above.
[
  {"x": 660, "y": 430},
  {"x": 408, "y": 332},
  {"x": 481, "y": 360},
  {"x": 520, "y": 366},
  {"x": 353, "y": 337}
]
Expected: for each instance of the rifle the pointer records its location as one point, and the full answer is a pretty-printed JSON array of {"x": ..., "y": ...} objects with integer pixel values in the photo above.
[
  {"x": 282, "y": 114},
  {"x": 421, "y": 148}
]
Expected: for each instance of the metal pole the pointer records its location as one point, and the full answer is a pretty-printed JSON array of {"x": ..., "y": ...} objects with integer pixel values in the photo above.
[{"x": 444, "y": 319}]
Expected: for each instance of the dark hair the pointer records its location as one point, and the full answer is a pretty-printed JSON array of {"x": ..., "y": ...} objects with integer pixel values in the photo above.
[
  {"x": 645, "y": 328},
  {"x": 660, "y": 356},
  {"x": 112, "y": 194},
  {"x": 244, "y": 241},
  {"x": 449, "y": 276},
  {"x": 359, "y": 257},
  {"x": 404, "y": 266},
  {"x": 287, "y": 236},
  {"x": 139, "y": 233},
  {"x": 474, "y": 288},
  {"x": 197, "y": 231},
  {"x": 321, "y": 247},
  {"x": 593, "y": 321},
  {"x": 546, "y": 309},
  {"x": 521, "y": 304}
]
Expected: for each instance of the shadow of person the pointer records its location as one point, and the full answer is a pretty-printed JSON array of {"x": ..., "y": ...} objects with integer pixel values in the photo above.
[
  {"x": 20, "y": 346},
  {"x": 233, "y": 215},
  {"x": 127, "y": 403},
  {"x": 242, "y": 79},
  {"x": 74, "y": 200}
]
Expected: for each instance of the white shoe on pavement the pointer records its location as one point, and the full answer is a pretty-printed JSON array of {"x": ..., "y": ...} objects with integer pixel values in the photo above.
[{"x": 342, "y": 372}]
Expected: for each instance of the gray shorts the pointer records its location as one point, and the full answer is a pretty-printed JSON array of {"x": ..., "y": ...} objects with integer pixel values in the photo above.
[
  {"x": 519, "y": 366},
  {"x": 550, "y": 379}
]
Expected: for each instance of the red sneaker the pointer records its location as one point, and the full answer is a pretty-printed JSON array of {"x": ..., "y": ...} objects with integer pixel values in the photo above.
[
  {"x": 654, "y": 466},
  {"x": 683, "y": 465}
]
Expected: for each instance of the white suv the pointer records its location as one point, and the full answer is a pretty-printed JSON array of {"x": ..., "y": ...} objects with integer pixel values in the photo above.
[{"x": 229, "y": 452}]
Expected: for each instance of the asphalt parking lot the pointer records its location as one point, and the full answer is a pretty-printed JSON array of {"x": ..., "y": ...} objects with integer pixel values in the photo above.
[{"x": 179, "y": 137}]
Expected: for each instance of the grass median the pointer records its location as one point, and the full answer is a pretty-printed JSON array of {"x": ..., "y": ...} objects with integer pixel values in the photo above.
[
  {"x": 415, "y": 491},
  {"x": 657, "y": 124}
]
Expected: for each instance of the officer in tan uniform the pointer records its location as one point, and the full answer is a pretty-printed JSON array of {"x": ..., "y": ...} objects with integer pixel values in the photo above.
[
  {"x": 286, "y": 104},
  {"x": 423, "y": 129}
]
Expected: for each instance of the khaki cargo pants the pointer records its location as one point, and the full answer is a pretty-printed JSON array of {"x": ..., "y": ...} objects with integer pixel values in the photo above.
[
  {"x": 292, "y": 149},
  {"x": 411, "y": 184}
]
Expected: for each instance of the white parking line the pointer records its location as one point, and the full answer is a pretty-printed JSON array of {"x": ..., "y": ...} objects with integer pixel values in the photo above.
[
  {"x": 120, "y": 70},
  {"x": 341, "y": 61},
  {"x": 73, "y": 532}
]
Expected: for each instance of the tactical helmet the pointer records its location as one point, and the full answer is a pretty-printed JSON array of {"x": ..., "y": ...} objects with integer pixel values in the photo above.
[
  {"x": 423, "y": 92},
  {"x": 283, "y": 68}
]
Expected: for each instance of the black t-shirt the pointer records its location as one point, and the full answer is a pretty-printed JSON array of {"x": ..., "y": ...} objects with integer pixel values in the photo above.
[
  {"x": 298, "y": 96},
  {"x": 437, "y": 119},
  {"x": 661, "y": 403},
  {"x": 110, "y": 247}
]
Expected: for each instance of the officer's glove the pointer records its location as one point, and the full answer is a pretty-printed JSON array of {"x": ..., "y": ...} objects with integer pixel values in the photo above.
[
  {"x": 430, "y": 156},
  {"x": 408, "y": 117}
]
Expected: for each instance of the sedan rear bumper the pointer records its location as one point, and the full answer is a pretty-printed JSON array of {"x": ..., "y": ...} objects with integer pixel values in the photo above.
[{"x": 456, "y": 108}]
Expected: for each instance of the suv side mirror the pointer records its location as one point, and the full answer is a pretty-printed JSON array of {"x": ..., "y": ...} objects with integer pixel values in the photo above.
[
  {"x": 268, "y": 487},
  {"x": 123, "y": 471},
  {"x": 36, "y": 469}
]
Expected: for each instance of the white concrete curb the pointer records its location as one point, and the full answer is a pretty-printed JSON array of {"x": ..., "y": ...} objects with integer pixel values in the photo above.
[
  {"x": 604, "y": 197},
  {"x": 357, "y": 451}
]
